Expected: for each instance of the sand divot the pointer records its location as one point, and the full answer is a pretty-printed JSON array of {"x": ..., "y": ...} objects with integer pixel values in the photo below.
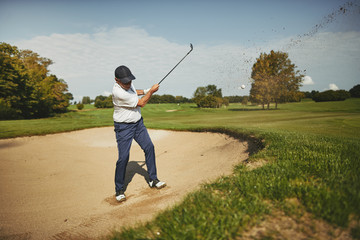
[{"x": 60, "y": 186}]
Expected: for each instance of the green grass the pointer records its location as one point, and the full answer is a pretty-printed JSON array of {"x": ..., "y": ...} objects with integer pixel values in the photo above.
[
  {"x": 299, "y": 117},
  {"x": 89, "y": 117},
  {"x": 312, "y": 154}
]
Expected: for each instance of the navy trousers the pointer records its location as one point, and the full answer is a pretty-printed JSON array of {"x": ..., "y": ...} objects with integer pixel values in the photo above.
[{"x": 125, "y": 133}]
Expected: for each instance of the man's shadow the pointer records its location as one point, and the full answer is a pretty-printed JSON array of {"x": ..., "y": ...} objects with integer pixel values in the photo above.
[{"x": 135, "y": 167}]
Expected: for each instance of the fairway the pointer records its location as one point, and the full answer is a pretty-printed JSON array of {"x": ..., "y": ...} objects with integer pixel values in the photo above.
[
  {"x": 335, "y": 118},
  {"x": 329, "y": 118},
  {"x": 308, "y": 166}
]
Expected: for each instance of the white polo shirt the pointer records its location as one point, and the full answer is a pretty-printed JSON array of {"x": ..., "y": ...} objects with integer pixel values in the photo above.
[{"x": 125, "y": 104}]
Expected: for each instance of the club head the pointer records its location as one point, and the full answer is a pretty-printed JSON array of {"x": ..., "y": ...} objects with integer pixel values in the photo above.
[{"x": 191, "y": 46}]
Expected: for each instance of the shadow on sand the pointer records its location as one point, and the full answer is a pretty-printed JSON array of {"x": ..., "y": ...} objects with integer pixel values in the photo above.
[{"x": 135, "y": 167}]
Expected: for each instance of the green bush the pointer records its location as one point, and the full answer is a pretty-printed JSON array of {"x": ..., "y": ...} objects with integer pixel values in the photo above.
[
  {"x": 103, "y": 102},
  {"x": 79, "y": 106},
  {"x": 210, "y": 102}
]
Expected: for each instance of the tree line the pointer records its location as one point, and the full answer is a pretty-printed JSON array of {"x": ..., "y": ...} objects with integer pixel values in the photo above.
[
  {"x": 27, "y": 89},
  {"x": 211, "y": 97},
  {"x": 205, "y": 97},
  {"x": 333, "y": 95},
  {"x": 106, "y": 101}
]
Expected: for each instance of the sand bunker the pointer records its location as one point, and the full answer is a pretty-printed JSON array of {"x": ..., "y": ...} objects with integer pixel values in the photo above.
[{"x": 61, "y": 186}]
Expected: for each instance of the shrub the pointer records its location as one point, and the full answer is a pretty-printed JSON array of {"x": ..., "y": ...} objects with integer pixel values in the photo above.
[
  {"x": 103, "y": 102},
  {"x": 79, "y": 106},
  {"x": 210, "y": 102}
]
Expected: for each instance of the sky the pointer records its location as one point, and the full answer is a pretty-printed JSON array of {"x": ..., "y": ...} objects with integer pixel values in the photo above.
[{"x": 87, "y": 40}]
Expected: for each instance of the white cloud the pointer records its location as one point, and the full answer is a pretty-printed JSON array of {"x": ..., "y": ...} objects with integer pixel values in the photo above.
[
  {"x": 87, "y": 61},
  {"x": 307, "y": 80},
  {"x": 333, "y": 86},
  {"x": 106, "y": 93}
]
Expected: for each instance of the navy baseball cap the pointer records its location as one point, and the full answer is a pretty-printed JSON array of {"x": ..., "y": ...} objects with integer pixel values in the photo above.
[{"x": 124, "y": 74}]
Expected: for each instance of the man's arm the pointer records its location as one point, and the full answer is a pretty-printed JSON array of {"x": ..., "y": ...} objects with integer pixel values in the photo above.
[
  {"x": 140, "y": 92},
  {"x": 145, "y": 99}
]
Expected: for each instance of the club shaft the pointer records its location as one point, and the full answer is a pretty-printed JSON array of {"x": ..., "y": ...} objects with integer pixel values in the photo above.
[{"x": 175, "y": 67}]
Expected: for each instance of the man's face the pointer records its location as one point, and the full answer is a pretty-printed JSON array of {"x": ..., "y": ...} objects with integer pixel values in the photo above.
[{"x": 125, "y": 86}]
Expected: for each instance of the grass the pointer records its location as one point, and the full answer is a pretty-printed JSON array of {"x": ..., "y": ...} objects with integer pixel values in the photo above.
[
  {"x": 312, "y": 155},
  {"x": 298, "y": 117},
  {"x": 89, "y": 117}
]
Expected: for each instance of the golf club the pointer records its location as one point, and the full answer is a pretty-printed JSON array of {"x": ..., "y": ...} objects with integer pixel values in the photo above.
[{"x": 191, "y": 48}]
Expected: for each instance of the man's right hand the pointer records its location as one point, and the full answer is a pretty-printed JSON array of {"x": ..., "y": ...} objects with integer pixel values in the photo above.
[
  {"x": 143, "y": 101},
  {"x": 154, "y": 88}
]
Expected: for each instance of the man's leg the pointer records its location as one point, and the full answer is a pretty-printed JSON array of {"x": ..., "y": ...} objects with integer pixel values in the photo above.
[
  {"x": 124, "y": 135},
  {"x": 143, "y": 139}
]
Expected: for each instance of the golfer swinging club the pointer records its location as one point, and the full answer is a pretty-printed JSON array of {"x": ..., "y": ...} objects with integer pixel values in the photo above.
[{"x": 129, "y": 125}]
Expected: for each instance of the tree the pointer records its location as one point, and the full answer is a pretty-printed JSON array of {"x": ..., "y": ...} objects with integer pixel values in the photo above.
[
  {"x": 52, "y": 95},
  {"x": 274, "y": 80},
  {"x": 199, "y": 93},
  {"x": 235, "y": 99},
  {"x": 12, "y": 82},
  {"x": 355, "y": 91},
  {"x": 155, "y": 99},
  {"x": 86, "y": 100},
  {"x": 69, "y": 96},
  {"x": 167, "y": 98},
  {"x": 27, "y": 90},
  {"x": 310, "y": 94},
  {"x": 181, "y": 99},
  {"x": 213, "y": 91},
  {"x": 262, "y": 91},
  {"x": 208, "y": 96}
]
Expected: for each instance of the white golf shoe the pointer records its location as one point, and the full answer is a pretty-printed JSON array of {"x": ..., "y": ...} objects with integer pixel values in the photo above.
[
  {"x": 120, "y": 196},
  {"x": 157, "y": 184}
]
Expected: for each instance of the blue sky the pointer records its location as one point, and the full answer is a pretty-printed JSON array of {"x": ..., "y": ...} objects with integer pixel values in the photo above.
[{"x": 87, "y": 40}]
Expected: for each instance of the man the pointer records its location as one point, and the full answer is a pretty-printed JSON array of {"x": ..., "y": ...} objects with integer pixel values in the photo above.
[{"x": 128, "y": 125}]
